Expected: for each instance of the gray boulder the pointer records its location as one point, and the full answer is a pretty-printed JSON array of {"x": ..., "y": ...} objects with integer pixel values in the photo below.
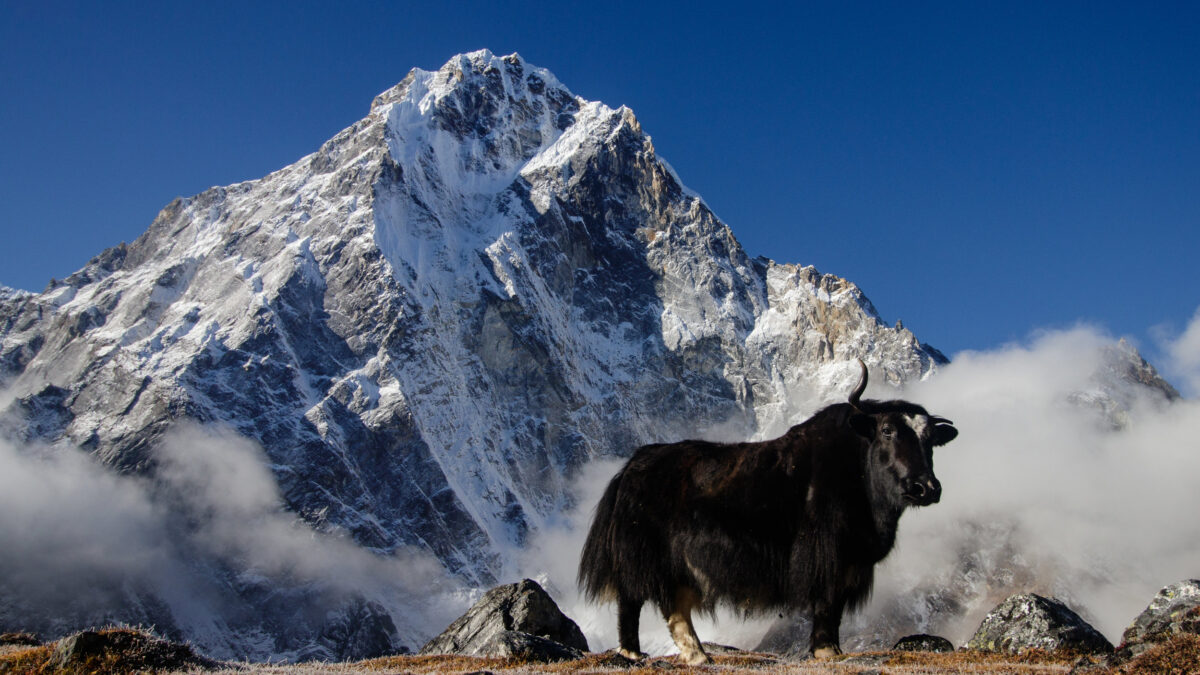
[
  {"x": 924, "y": 643},
  {"x": 512, "y": 644},
  {"x": 1031, "y": 621},
  {"x": 1174, "y": 611},
  {"x": 522, "y": 607}
]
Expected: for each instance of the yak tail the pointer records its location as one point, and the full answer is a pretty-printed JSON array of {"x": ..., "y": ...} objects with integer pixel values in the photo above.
[{"x": 597, "y": 570}]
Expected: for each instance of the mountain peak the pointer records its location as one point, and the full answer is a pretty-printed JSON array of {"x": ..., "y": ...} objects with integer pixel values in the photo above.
[{"x": 480, "y": 71}]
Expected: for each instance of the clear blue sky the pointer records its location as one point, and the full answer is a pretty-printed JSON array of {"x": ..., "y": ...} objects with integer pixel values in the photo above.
[{"x": 980, "y": 169}]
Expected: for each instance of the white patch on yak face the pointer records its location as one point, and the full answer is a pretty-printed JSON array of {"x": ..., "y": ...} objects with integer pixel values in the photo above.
[{"x": 920, "y": 425}]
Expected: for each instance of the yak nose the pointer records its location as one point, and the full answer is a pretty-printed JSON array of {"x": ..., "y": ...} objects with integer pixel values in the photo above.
[{"x": 923, "y": 490}]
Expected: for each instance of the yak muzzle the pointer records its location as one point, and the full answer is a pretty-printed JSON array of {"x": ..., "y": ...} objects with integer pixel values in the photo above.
[{"x": 922, "y": 491}]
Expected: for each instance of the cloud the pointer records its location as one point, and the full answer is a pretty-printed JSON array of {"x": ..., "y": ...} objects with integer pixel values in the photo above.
[
  {"x": 203, "y": 546},
  {"x": 1041, "y": 497},
  {"x": 1183, "y": 355},
  {"x": 67, "y": 525}
]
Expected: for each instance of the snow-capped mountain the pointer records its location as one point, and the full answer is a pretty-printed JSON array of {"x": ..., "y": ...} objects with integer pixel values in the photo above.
[
  {"x": 430, "y": 323},
  {"x": 432, "y": 319}
]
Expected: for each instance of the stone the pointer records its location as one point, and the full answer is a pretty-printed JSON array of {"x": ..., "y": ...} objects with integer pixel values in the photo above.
[
  {"x": 1174, "y": 610},
  {"x": 523, "y": 607},
  {"x": 1031, "y": 621},
  {"x": 512, "y": 644},
  {"x": 924, "y": 643},
  {"x": 122, "y": 650}
]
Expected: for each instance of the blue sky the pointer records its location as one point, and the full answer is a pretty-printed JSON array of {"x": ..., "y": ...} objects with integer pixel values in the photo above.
[{"x": 982, "y": 170}]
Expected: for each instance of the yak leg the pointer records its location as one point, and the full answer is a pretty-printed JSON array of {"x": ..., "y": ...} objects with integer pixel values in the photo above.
[
  {"x": 827, "y": 621},
  {"x": 679, "y": 620},
  {"x": 629, "y": 613}
]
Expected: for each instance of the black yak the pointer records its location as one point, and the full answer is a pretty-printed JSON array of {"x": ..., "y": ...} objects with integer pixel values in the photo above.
[{"x": 795, "y": 523}]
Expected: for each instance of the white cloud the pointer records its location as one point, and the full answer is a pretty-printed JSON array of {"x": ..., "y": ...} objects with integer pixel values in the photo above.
[
  {"x": 1061, "y": 504},
  {"x": 81, "y": 542},
  {"x": 1183, "y": 355}
]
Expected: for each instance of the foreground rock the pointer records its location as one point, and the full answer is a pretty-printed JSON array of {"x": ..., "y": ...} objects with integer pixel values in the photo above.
[
  {"x": 512, "y": 620},
  {"x": 1174, "y": 611},
  {"x": 512, "y": 644},
  {"x": 924, "y": 643},
  {"x": 122, "y": 650},
  {"x": 1030, "y": 621}
]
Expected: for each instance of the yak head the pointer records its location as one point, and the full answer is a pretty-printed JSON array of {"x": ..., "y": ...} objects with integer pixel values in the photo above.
[{"x": 900, "y": 437}]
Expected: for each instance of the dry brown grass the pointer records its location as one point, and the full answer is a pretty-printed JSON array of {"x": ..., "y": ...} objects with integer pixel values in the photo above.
[
  {"x": 1178, "y": 656},
  {"x": 24, "y": 659},
  {"x": 1181, "y": 655},
  {"x": 891, "y": 663}
]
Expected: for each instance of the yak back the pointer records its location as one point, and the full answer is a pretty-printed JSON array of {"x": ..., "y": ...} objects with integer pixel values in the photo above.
[{"x": 761, "y": 526}]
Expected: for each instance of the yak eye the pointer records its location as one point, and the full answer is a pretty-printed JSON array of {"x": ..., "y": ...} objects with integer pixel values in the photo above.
[{"x": 888, "y": 431}]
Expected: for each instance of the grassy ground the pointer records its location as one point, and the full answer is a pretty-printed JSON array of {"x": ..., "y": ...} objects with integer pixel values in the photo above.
[{"x": 1180, "y": 656}]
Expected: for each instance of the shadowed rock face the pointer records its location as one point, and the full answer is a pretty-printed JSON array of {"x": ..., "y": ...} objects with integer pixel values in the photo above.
[
  {"x": 524, "y": 608},
  {"x": 1034, "y": 622},
  {"x": 923, "y": 643}
]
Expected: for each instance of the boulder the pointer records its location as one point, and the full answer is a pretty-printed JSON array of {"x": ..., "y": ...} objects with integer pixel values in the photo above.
[
  {"x": 1174, "y": 611},
  {"x": 513, "y": 644},
  {"x": 923, "y": 643},
  {"x": 123, "y": 650},
  {"x": 522, "y": 607},
  {"x": 1031, "y": 621}
]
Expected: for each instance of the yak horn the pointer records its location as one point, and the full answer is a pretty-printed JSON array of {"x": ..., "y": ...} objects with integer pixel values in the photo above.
[
  {"x": 940, "y": 420},
  {"x": 862, "y": 386}
]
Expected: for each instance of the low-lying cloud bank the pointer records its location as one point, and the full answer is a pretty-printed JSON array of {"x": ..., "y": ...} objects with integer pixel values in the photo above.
[
  {"x": 1042, "y": 493},
  {"x": 205, "y": 551}
]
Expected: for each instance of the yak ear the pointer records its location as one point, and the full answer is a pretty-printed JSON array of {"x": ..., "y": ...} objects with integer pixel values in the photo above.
[
  {"x": 862, "y": 424},
  {"x": 943, "y": 434}
]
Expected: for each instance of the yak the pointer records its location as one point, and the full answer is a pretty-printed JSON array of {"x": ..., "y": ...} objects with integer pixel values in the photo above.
[{"x": 794, "y": 523}]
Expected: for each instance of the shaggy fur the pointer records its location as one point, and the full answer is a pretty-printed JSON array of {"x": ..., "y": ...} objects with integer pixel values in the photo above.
[{"x": 797, "y": 522}]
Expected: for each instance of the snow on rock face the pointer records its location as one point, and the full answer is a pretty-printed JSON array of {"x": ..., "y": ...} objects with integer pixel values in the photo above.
[{"x": 431, "y": 322}]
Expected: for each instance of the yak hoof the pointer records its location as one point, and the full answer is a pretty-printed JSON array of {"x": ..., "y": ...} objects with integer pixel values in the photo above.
[
  {"x": 631, "y": 655},
  {"x": 827, "y": 652},
  {"x": 696, "y": 658}
]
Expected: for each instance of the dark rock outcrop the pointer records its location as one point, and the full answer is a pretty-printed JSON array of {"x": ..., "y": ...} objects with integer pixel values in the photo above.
[
  {"x": 1030, "y": 621},
  {"x": 923, "y": 643},
  {"x": 523, "y": 607},
  {"x": 1174, "y": 611},
  {"x": 123, "y": 650},
  {"x": 361, "y": 630}
]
